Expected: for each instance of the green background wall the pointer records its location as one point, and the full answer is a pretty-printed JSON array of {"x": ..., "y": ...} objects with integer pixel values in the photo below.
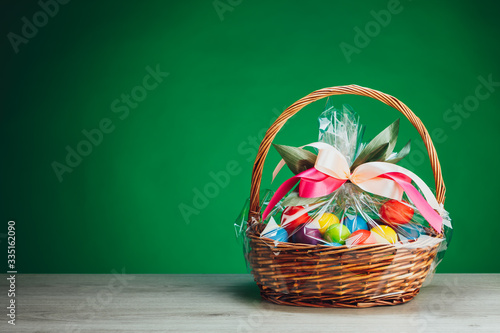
[{"x": 228, "y": 76}]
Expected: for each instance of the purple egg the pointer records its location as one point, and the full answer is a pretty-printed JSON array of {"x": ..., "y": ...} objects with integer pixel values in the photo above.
[{"x": 307, "y": 235}]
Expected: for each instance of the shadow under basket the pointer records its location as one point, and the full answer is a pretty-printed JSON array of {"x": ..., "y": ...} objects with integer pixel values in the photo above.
[{"x": 329, "y": 276}]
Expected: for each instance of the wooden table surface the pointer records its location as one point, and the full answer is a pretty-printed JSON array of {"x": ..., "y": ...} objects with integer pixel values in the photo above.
[{"x": 231, "y": 303}]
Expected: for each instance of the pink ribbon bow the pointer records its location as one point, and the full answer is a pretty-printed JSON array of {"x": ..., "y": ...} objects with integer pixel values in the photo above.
[{"x": 331, "y": 171}]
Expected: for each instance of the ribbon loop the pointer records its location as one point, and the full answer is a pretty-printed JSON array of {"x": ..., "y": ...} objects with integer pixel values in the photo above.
[{"x": 333, "y": 163}]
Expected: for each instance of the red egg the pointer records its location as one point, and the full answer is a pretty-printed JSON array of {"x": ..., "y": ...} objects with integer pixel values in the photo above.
[
  {"x": 396, "y": 212},
  {"x": 360, "y": 237},
  {"x": 292, "y": 218}
]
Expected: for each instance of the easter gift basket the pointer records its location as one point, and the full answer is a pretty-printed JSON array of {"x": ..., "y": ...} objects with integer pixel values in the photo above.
[{"x": 351, "y": 228}]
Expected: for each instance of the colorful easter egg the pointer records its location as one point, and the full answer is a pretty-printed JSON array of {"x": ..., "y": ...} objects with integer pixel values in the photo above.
[
  {"x": 307, "y": 235},
  {"x": 360, "y": 237},
  {"x": 337, "y": 233},
  {"x": 278, "y": 234},
  {"x": 396, "y": 212},
  {"x": 326, "y": 220},
  {"x": 383, "y": 232},
  {"x": 378, "y": 239},
  {"x": 410, "y": 231},
  {"x": 356, "y": 223},
  {"x": 292, "y": 217}
]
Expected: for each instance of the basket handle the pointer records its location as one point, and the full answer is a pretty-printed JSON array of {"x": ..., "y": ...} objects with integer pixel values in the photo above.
[{"x": 340, "y": 90}]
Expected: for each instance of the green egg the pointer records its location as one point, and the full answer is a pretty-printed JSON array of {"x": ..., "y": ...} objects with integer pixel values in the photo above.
[{"x": 337, "y": 233}]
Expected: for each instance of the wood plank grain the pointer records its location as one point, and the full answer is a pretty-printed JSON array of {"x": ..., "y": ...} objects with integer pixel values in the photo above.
[{"x": 231, "y": 303}]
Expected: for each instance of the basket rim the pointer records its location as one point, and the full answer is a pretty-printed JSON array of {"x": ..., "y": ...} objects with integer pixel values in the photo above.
[{"x": 251, "y": 233}]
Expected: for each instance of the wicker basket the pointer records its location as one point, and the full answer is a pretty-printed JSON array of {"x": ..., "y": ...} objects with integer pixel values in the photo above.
[{"x": 326, "y": 276}]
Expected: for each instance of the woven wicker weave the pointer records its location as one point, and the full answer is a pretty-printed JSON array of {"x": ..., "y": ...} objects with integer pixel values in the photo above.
[{"x": 327, "y": 276}]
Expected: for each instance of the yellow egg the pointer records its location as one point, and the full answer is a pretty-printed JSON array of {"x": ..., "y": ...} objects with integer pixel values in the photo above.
[
  {"x": 326, "y": 220},
  {"x": 377, "y": 239},
  {"x": 386, "y": 233}
]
